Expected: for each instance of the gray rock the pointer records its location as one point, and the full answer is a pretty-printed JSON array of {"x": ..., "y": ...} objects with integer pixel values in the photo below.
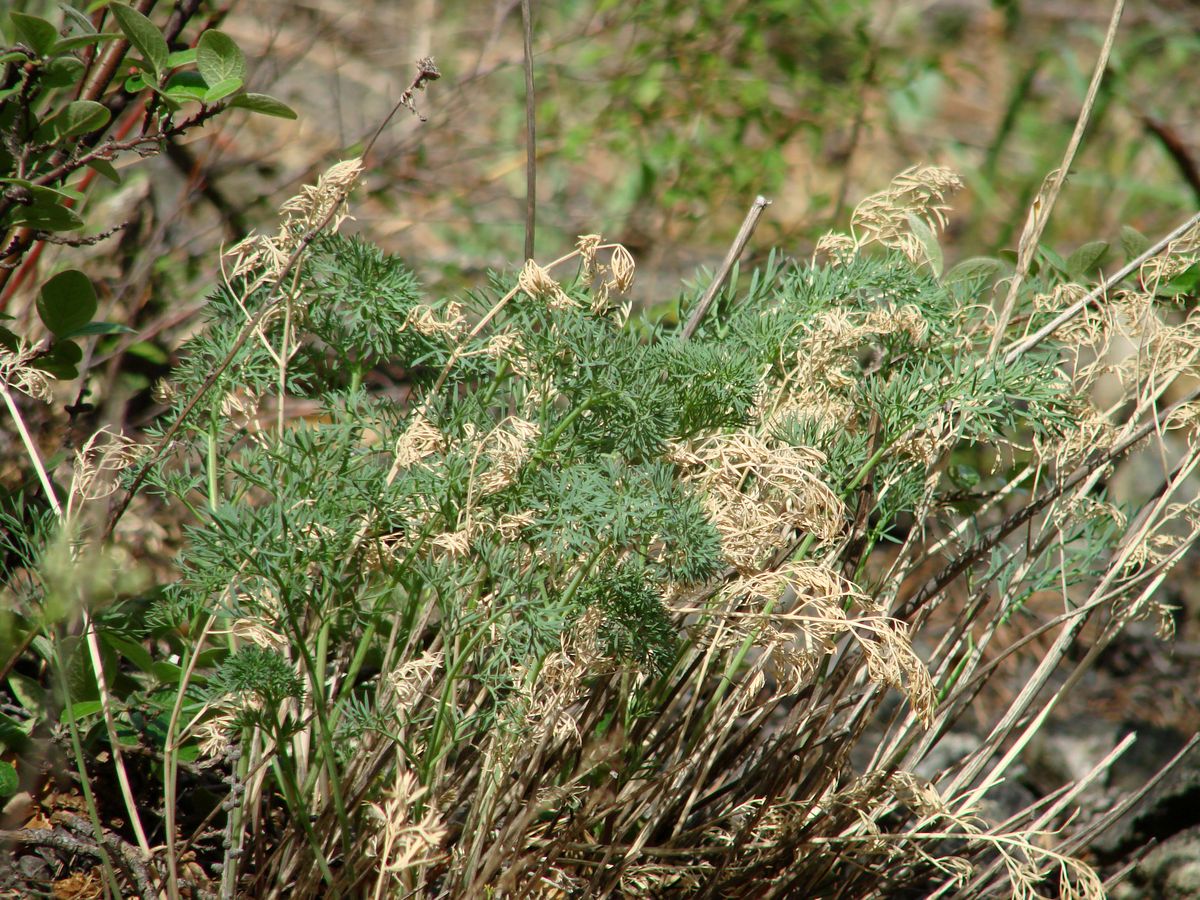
[{"x": 1169, "y": 872}]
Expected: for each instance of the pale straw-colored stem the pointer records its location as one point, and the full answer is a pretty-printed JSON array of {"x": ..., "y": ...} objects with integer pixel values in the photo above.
[{"x": 1043, "y": 203}]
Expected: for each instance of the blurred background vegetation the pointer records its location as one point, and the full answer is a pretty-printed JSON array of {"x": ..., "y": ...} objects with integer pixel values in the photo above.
[{"x": 658, "y": 123}]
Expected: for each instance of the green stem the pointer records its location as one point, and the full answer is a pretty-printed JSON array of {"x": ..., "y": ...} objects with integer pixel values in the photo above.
[
  {"x": 300, "y": 812},
  {"x": 315, "y": 667},
  {"x": 553, "y": 437},
  {"x": 85, "y": 784},
  {"x": 214, "y": 496}
]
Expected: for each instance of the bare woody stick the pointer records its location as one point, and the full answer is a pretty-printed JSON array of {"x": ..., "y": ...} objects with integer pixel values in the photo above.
[{"x": 735, "y": 251}]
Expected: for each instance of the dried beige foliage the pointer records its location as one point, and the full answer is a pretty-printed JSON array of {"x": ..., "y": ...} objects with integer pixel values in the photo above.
[{"x": 16, "y": 372}]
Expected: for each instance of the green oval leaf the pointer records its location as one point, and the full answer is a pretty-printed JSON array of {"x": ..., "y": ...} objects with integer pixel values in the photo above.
[
  {"x": 143, "y": 34},
  {"x": 62, "y": 361},
  {"x": 1133, "y": 242},
  {"x": 67, "y": 302},
  {"x": 1182, "y": 285},
  {"x": 29, "y": 693},
  {"x": 1086, "y": 258},
  {"x": 14, "y": 734},
  {"x": 978, "y": 268},
  {"x": 99, "y": 328},
  {"x": 185, "y": 86},
  {"x": 179, "y": 58},
  {"x": 82, "y": 117},
  {"x": 62, "y": 71},
  {"x": 219, "y": 59},
  {"x": 81, "y": 709},
  {"x": 105, "y": 168},
  {"x": 40, "y": 35},
  {"x": 46, "y": 213},
  {"x": 84, "y": 23},
  {"x": 222, "y": 89},
  {"x": 929, "y": 241},
  {"x": 1052, "y": 258},
  {"x": 261, "y": 103},
  {"x": 74, "y": 42}
]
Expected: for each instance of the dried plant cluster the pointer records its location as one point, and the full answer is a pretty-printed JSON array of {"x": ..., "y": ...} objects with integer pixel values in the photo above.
[{"x": 604, "y": 613}]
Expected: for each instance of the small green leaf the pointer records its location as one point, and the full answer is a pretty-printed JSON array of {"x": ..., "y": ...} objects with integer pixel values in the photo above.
[
  {"x": 81, "y": 117},
  {"x": 67, "y": 44},
  {"x": 13, "y": 56},
  {"x": 99, "y": 328},
  {"x": 29, "y": 693},
  {"x": 46, "y": 213},
  {"x": 181, "y": 58},
  {"x": 933, "y": 250},
  {"x": 1051, "y": 257},
  {"x": 40, "y": 35},
  {"x": 964, "y": 476},
  {"x": 62, "y": 71},
  {"x": 1183, "y": 284},
  {"x": 81, "y": 709},
  {"x": 14, "y": 734},
  {"x": 184, "y": 87},
  {"x": 143, "y": 34},
  {"x": 67, "y": 302},
  {"x": 1133, "y": 242},
  {"x": 261, "y": 103},
  {"x": 978, "y": 268},
  {"x": 84, "y": 23},
  {"x": 222, "y": 89},
  {"x": 219, "y": 59},
  {"x": 105, "y": 168},
  {"x": 1086, "y": 259},
  {"x": 166, "y": 672},
  {"x": 62, "y": 361},
  {"x": 9, "y": 780},
  {"x": 132, "y": 650}
]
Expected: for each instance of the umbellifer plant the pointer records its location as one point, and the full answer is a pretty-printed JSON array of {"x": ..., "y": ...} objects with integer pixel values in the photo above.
[{"x": 576, "y": 608}]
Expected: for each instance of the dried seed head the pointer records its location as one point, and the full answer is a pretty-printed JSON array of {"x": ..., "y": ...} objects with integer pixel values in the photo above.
[
  {"x": 424, "y": 320},
  {"x": 419, "y": 440},
  {"x": 623, "y": 267},
  {"x": 99, "y": 461},
  {"x": 16, "y": 372},
  {"x": 454, "y": 543},
  {"x": 536, "y": 282},
  {"x": 836, "y": 247},
  {"x": 587, "y": 245},
  {"x": 300, "y": 214},
  {"x": 216, "y": 734},
  {"x": 412, "y": 679},
  {"x": 919, "y": 192},
  {"x": 165, "y": 391},
  {"x": 507, "y": 446}
]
